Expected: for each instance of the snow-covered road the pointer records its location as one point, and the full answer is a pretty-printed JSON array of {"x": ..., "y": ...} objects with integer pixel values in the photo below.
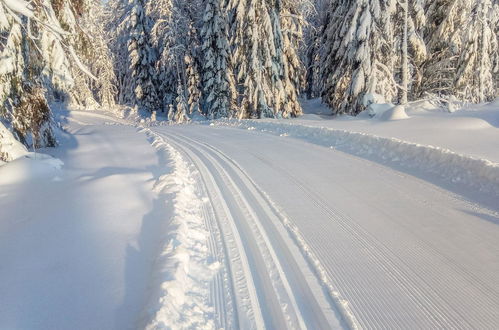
[{"x": 252, "y": 230}]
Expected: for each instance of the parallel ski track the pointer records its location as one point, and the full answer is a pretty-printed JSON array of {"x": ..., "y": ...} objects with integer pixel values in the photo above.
[
  {"x": 370, "y": 311},
  {"x": 277, "y": 285}
]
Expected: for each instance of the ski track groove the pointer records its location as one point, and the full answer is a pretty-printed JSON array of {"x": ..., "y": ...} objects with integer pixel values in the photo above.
[
  {"x": 233, "y": 248},
  {"x": 248, "y": 213},
  {"x": 258, "y": 227},
  {"x": 220, "y": 294},
  {"x": 352, "y": 323},
  {"x": 248, "y": 311},
  {"x": 373, "y": 321}
]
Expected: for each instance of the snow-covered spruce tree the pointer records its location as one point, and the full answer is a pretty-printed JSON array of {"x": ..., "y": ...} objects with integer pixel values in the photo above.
[
  {"x": 288, "y": 71},
  {"x": 133, "y": 53},
  {"x": 175, "y": 35},
  {"x": 358, "y": 56},
  {"x": 118, "y": 28},
  {"x": 317, "y": 21},
  {"x": 163, "y": 39},
  {"x": 442, "y": 33},
  {"x": 253, "y": 45},
  {"x": 79, "y": 93},
  {"x": 142, "y": 59},
  {"x": 264, "y": 60},
  {"x": 56, "y": 53},
  {"x": 478, "y": 62},
  {"x": 25, "y": 64},
  {"x": 85, "y": 19},
  {"x": 217, "y": 101},
  {"x": 100, "y": 61},
  {"x": 83, "y": 43},
  {"x": 193, "y": 82},
  {"x": 180, "y": 115},
  {"x": 192, "y": 63},
  {"x": 188, "y": 54},
  {"x": 410, "y": 20}
]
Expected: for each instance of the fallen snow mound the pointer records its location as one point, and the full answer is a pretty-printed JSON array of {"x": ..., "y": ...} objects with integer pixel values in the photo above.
[
  {"x": 395, "y": 113},
  {"x": 10, "y": 148},
  {"x": 30, "y": 167}
]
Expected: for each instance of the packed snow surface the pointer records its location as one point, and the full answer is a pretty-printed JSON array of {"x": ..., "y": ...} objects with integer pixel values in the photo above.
[{"x": 306, "y": 223}]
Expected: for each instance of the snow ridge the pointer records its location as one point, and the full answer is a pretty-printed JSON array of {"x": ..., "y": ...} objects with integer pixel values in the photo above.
[
  {"x": 478, "y": 174},
  {"x": 182, "y": 272}
]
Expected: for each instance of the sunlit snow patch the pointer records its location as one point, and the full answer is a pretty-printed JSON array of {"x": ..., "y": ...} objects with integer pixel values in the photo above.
[
  {"x": 395, "y": 113},
  {"x": 30, "y": 167}
]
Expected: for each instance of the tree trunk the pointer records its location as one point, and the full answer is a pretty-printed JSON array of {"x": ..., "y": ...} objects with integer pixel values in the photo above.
[{"x": 405, "y": 56}]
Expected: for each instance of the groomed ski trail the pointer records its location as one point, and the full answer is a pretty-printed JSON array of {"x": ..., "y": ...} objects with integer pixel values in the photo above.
[
  {"x": 391, "y": 263},
  {"x": 272, "y": 282}
]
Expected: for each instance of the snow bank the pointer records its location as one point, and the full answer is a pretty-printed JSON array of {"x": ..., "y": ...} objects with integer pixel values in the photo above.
[
  {"x": 24, "y": 165},
  {"x": 473, "y": 173},
  {"x": 182, "y": 272},
  {"x": 10, "y": 148},
  {"x": 30, "y": 167}
]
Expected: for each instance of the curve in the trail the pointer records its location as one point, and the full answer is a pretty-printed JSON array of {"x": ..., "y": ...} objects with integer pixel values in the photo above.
[
  {"x": 402, "y": 252},
  {"x": 282, "y": 288}
]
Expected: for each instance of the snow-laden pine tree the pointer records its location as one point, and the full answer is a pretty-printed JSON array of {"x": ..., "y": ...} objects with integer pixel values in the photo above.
[
  {"x": 134, "y": 54},
  {"x": 264, "y": 37},
  {"x": 118, "y": 29},
  {"x": 192, "y": 64},
  {"x": 410, "y": 19},
  {"x": 442, "y": 33},
  {"x": 180, "y": 114},
  {"x": 79, "y": 93},
  {"x": 40, "y": 61},
  {"x": 175, "y": 35},
  {"x": 163, "y": 39},
  {"x": 85, "y": 21},
  {"x": 288, "y": 69},
  {"x": 358, "y": 55},
  {"x": 193, "y": 83},
  {"x": 317, "y": 21},
  {"x": 478, "y": 62},
  {"x": 57, "y": 52},
  {"x": 27, "y": 64},
  {"x": 100, "y": 61},
  {"x": 142, "y": 58},
  {"x": 253, "y": 43},
  {"x": 217, "y": 83}
]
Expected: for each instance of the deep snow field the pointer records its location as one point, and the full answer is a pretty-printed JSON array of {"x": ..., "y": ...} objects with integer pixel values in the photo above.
[{"x": 315, "y": 222}]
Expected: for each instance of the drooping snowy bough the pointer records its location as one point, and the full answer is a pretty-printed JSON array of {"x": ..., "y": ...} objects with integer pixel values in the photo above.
[{"x": 41, "y": 61}]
